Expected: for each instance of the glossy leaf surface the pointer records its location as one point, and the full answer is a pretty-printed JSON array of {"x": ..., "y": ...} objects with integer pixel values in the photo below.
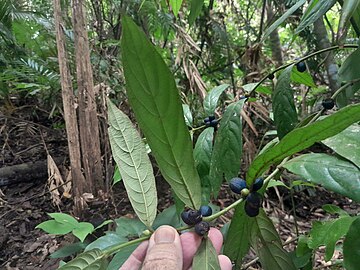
[
  {"x": 187, "y": 115},
  {"x": 175, "y": 6},
  {"x": 206, "y": 257},
  {"x": 212, "y": 99},
  {"x": 302, "y": 78},
  {"x": 267, "y": 244},
  {"x": 154, "y": 97},
  {"x": 227, "y": 152},
  {"x": 93, "y": 259},
  {"x": 352, "y": 246},
  {"x": 301, "y": 138},
  {"x": 331, "y": 172},
  {"x": 195, "y": 9},
  {"x": 346, "y": 143},
  {"x": 134, "y": 165},
  {"x": 285, "y": 115}
]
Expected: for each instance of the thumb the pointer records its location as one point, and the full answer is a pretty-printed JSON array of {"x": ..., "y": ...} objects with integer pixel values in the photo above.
[{"x": 164, "y": 251}]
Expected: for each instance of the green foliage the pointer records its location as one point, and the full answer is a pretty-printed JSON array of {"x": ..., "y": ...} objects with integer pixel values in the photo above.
[
  {"x": 352, "y": 246},
  {"x": 211, "y": 99},
  {"x": 93, "y": 259},
  {"x": 206, "y": 256}
]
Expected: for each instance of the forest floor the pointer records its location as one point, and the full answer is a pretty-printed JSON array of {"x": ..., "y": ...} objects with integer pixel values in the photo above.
[{"x": 24, "y": 205}]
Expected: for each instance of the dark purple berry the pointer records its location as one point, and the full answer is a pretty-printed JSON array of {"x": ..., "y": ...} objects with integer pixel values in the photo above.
[
  {"x": 202, "y": 228},
  {"x": 191, "y": 217},
  {"x": 254, "y": 200},
  {"x": 206, "y": 120},
  {"x": 328, "y": 103},
  {"x": 257, "y": 184},
  {"x": 271, "y": 76},
  {"x": 205, "y": 210},
  {"x": 301, "y": 66},
  {"x": 237, "y": 184},
  {"x": 251, "y": 211},
  {"x": 213, "y": 123}
]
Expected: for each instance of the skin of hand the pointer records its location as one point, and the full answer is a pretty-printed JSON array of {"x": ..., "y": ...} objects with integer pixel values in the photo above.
[{"x": 166, "y": 249}]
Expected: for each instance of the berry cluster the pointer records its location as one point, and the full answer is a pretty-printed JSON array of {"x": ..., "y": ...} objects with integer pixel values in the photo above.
[
  {"x": 210, "y": 121},
  {"x": 194, "y": 217},
  {"x": 328, "y": 103},
  {"x": 253, "y": 198}
]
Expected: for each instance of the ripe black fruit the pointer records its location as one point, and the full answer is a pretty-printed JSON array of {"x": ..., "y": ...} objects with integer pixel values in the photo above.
[
  {"x": 213, "y": 123},
  {"x": 257, "y": 184},
  {"x": 271, "y": 76},
  {"x": 328, "y": 103},
  {"x": 237, "y": 184},
  {"x": 205, "y": 210},
  {"x": 191, "y": 217},
  {"x": 250, "y": 211},
  {"x": 202, "y": 228},
  {"x": 209, "y": 119},
  {"x": 253, "y": 204},
  {"x": 301, "y": 66}
]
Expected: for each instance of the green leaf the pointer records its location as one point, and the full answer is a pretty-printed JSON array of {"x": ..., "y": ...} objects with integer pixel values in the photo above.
[
  {"x": 333, "y": 209},
  {"x": 120, "y": 257},
  {"x": 285, "y": 116},
  {"x": 134, "y": 165},
  {"x": 175, "y": 5},
  {"x": 212, "y": 98},
  {"x": 169, "y": 216},
  {"x": 206, "y": 257},
  {"x": 195, "y": 9},
  {"x": 64, "y": 218},
  {"x": 93, "y": 259},
  {"x": 352, "y": 246},
  {"x": 327, "y": 233},
  {"x": 348, "y": 9},
  {"x": 315, "y": 10},
  {"x": 106, "y": 222},
  {"x": 331, "y": 172},
  {"x": 129, "y": 227},
  {"x": 237, "y": 244},
  {"x": 68, "y": 250},
  {"x": 117, "y": 176},
  {"x": 349, "y": 70},
  {"x": 302, "y": 78},
  {"x": 54, "y": 227},
  {"x": 227, "y": 152},
  {"x": 346, "y": 144},
  {"x": 187, "y": 115},
  {"x": 82, "y": 230},
  {"x": 276, "y": 183},
  {"x": 301, "y": 138},
  {"x": 260, "y": 89},
  {"x": 202, "y": 155},
  {"x": 106, "y": 241},
  {"x": 279, "y": 21},
  {"x": 156, "y": 103},
  {"x": 267, "y": 244}
]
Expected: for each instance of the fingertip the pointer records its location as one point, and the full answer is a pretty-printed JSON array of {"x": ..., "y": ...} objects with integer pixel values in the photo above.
[
  {"x": 225, "y": 263},
  {"x": 136, "y": 258},
  {"x": 216, "y": 238},
  {"x": 190, "y": 243}
]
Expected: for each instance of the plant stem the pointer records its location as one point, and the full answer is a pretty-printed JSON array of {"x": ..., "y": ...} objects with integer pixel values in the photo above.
[{"x": 113, "y": 250}]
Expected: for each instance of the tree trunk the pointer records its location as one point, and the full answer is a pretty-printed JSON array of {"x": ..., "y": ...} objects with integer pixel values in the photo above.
[
  {"x": 322, "y": 42},
  {"x": 274, "y": 40},
  {"x": 69, "y": 108},
  {"x": 88, "y": 122}
]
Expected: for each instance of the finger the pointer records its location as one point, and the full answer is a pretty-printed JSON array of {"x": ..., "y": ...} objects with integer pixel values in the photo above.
[
  {"x": 191, "y": 242},
  {"x": 225, "y": 263},
  {"x": 136, "y": 258},
  {"x": 164, "y": 251}
]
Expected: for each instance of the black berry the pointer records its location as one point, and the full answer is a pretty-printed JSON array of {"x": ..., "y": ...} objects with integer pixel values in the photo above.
[
  {"x": 237, "y": 184},
  {"x": 191, "y": 217},
  {"x": 202, "y": 228},
  {"x": 209, "y": 119},
  {"x": 205, "y": 210},
  {"x": 251, "y": 211},
  {"x": 271, "y": 76},
  {"x": 257, "y": 184},
  {"x": 254, "y": 200},
  {"x": 301, "y": 66},
  {"x": 213, "y": 123},
  {"x": 328, "y": 103}
]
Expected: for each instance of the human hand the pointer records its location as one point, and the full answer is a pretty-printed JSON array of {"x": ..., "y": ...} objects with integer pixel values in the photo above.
[{"x": 166, "y": 249}]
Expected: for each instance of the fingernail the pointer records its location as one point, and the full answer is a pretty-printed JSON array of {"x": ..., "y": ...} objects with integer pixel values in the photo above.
[{"x": 164, "y": 235}]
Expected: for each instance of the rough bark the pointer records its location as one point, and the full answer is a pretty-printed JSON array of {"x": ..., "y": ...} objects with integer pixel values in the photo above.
[
  {"x": 69, "y": 106},
  {"x": 88, "y": 122},
  {"x": 322, "y": 42},
  {"x": 274, "y": 40}
]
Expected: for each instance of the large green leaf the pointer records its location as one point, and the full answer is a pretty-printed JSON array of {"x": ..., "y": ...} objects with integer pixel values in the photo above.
[
  {"x": 195, "y": 9},
  {"x": 187, "y": 115},
  {"x": 212, "y": 98},
  {"x": 120, "y": 257},
  {"x": 285, "y": 115},
  {"x": 331, "y": 172},
  {"x": 327, "y": 233},
  {"x": 283, "y": 17},
  {"x": 89, "y": 260},
  {"x": 206, "y": 257},
  {"x": 347, "y": 143},
  {"x": 267, "y": 244},
  {"x": 227, "y": 152},
  {"x": 302, "y": 77},
  {"x": 156, "y": 103},
  {"x": 106, "y": 241},
  {"x": 352, "y": 246},
  {"x": 129, "y": 227},
  {"x": 134, "y": 165},
  {"x": 175, "y": 5},
  {"x": 202, "y": 155},
  {"x": 301, "y": 138},
  {"x": 348, "y": 9},
  {"x": 315, "y": 10},
  {"x": 349, "y": 70},
  {"x": 237, "y": 243}
]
